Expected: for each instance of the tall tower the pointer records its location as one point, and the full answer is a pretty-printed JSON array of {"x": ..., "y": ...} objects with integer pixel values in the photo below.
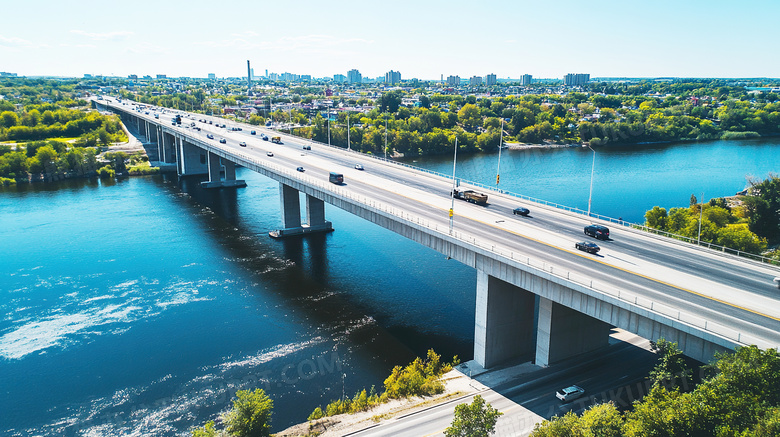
[{"x": 248, "y": 78}]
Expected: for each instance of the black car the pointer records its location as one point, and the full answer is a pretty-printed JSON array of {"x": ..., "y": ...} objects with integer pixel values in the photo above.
[
  {"x": 222, "y": 140},
  {"x": 587, "y": 246},
  {"x": 521, "y": 211},
  {"x": 265, "y": 138},
  {"x": 597, "y": 231},
  {"x": 209, "y": 136},
  {"x": 306, "y": 147},
  {"x": 253, "y": 132},
  {"x": 300, "y": 169}
]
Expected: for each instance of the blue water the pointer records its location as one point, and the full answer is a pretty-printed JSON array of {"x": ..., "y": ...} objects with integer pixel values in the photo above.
[
  {"x": 627, "y": 181},
  {"x": 139, "y": 307}
]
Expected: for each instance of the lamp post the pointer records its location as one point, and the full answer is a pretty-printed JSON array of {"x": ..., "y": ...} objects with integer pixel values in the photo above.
[
  {"x": 452, "y": 194},
  {"x": 348, "y": 145},
  {"x": 385, "y": 136},
  {"x": 592, "y": 168},
  {"x": 500, "y": 145},
  {"x": 329, "y": 125},
  {"x": 701, "y": 214}
]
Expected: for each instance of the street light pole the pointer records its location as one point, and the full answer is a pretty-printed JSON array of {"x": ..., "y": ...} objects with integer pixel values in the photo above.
[
  {"x": 348, "y": 145},
  {"x": 701, "y": 214},
  {"x": 500, "y": 145},
  {"x": 452, "y": 194},
  {"x": 329, "y": 125},
  {"x": 385, "y": 136},
  {"x": 592, "y": 168}
]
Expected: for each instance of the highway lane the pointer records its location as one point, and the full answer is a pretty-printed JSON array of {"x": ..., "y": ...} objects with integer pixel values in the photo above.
[
  {"x": 617, "y": 373},
  {"x": 627, "y": 256}
]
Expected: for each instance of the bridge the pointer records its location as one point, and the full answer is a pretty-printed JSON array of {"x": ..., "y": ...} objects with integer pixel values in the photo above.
[{"x": 537, "y": 296}]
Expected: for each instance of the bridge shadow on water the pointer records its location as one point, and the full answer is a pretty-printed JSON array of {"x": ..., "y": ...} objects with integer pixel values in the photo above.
[{"x": 298, "y": 270}]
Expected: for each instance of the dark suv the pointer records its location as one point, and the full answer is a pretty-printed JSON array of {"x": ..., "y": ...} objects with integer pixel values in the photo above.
[{"x": 597, "y": 231}]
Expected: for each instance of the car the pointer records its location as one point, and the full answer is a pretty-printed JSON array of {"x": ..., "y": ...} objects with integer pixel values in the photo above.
[
  {"x": 570, "y": 393},
  {"x": 597, "y": 231},
  {"x": 253, "y": 132},
  {"x": 222, "y": 140},
  {"x": 242, "y": 144},
  {"x": 306, "y": 147},
  {"x": 269, "y": 153},
  {"x": 521, "y": 211},
  {"x": 209, "y": 136},
  {"x": 587, "y": 246},
  {"x": 358, "y": 167},
  {"x": 300, "y": 169},
  {"x": 265, "y": 138}
]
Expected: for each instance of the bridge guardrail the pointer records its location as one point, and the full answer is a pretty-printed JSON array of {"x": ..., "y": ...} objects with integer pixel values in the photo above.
[{"x": 625, "y": 296}]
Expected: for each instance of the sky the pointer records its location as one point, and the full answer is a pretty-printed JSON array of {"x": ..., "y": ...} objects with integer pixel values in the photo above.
[{"x": 422, "y": 39}]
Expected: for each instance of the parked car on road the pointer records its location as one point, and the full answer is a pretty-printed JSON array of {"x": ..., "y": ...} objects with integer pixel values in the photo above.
[
  {"x": 521, "y": 211},
  {"x": 569, "y": 393},
  {"x": 597, "y": 231},
  {"x": 587, "y": 246}
]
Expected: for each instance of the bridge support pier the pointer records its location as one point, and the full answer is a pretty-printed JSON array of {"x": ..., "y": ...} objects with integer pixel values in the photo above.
[
  {"x": 504, "y": 323},
  {"x": 291, "y": 214},
  {"x": 215, "y": 164},
  {"x": 191, "y": 159},
  {"x": 513, "y": 323},
  {"x": 563, "y": 332}
]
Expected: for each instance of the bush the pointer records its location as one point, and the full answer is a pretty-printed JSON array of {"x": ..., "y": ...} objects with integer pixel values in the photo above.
[
  {"x": 106, "y": 172},
  {"x": 739, "y": 135}
]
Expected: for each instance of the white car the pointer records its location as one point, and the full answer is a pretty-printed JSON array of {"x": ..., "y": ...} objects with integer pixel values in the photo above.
[{"x": 570, "y": 393}]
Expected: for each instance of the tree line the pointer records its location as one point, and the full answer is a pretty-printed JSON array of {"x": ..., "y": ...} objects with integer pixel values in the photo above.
[{"x": 748, "y": 222}]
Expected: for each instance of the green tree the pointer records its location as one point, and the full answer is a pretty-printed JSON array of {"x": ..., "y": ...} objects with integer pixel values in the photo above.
[
  {"x": 206, "y": 431},
  {"x": 251, "y": 414},
  {"x": 602, "y": 420},
  {"x": 565, "y": 426},
  {"x": 469, "y": 116},
  {"x": 671, "y": 363},
  {"x": 8, "y": 119},
  {"x": 477, "y": 419},
  {"x": 656, "y": 218}
]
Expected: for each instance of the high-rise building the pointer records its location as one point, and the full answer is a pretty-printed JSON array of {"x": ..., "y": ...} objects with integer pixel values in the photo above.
[
  {"x": 162, "y": 76},
  {"x": 354, "y": 76},
  {"x": 339, "y": 78},
  {"x": 475, "y": 81},
  {"x": 490, "y": 79},
  {"x": 453, "y": 80},
  {"x": 526, "y": 79},
  {"x": 578, "y": 79},
  {"x": 212, "y": 76},
  {"x": 393, "y": 77}
]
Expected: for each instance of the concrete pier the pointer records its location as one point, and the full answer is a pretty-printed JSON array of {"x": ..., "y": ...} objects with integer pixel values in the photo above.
[{"x": 291, "y": 214}]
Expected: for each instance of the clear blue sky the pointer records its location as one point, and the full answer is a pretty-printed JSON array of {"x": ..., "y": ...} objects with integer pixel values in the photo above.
[{"x": 421, "y": 38}]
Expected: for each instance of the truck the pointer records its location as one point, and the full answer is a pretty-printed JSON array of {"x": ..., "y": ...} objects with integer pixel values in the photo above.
[
  {"x": 277, "y": 140},
  {"x": 177, "y": 119},
  {"x": 470, "y": 196}
]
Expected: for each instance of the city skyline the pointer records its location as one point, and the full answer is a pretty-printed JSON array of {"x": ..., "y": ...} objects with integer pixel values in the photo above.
[{"x": 425, "y": 41}]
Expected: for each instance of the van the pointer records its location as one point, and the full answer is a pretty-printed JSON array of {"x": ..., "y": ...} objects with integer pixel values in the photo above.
[{"x": 336, "y": 178}]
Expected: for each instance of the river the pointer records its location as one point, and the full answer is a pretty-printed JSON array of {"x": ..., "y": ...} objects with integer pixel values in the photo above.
[{"x": 139, "y": 306}]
